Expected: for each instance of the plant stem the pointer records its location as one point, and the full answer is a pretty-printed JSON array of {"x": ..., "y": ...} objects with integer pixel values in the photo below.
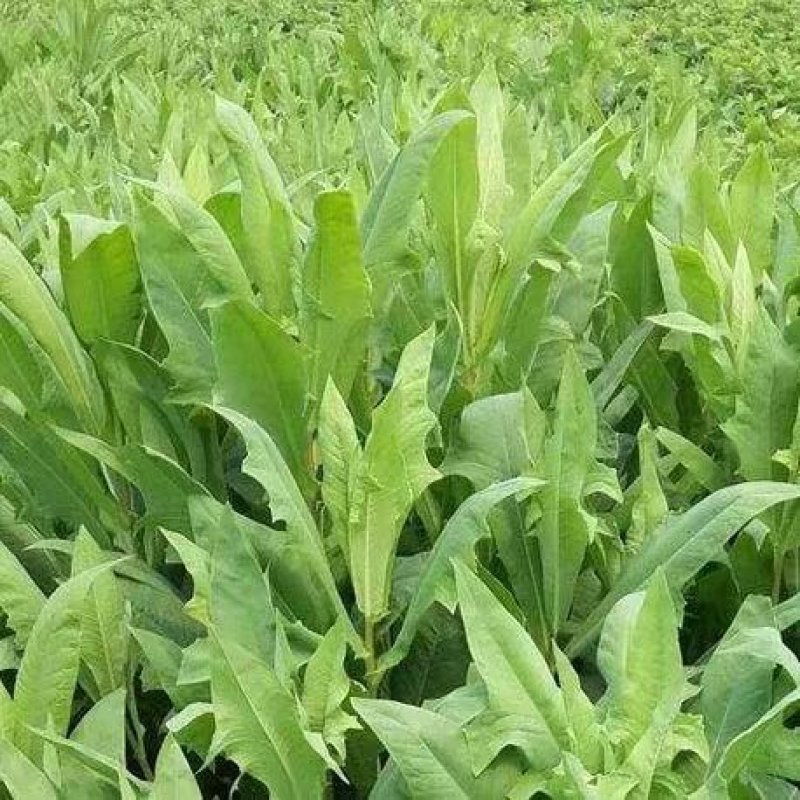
[
  {"x": 777, "y": 577},
  {"x": 371, "y": 659}
]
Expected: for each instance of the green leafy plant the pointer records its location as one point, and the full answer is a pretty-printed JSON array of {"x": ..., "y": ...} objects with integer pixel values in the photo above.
[{"x": 367, "y": 432}]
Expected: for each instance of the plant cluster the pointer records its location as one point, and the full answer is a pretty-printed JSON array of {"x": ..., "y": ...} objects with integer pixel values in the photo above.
[{"x": 383, "y": 417}]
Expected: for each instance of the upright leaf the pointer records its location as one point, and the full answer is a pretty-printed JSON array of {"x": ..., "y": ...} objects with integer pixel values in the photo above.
[
  {"x": 27, "y": 297},
  {"x": 257, "y": 725},
  {"x": 268, "y": 226},
  {"x": 100, "y": 278},
  {"x": 394, "y": 472},
  {"x": 336, "y": 296},
  {"x": 261, "y": 373}
]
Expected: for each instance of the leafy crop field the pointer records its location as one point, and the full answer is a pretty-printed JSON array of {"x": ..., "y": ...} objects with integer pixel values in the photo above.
[{"x": 399, "y": 400}]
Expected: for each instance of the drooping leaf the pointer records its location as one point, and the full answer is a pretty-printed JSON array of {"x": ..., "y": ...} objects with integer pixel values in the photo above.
[
  {"x": 684, "y": 544},
  {"x": 431, "y": 753},
  {"x": 457, "y": 541}
]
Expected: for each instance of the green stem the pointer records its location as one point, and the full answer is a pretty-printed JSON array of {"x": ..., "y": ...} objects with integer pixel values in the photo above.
[
  {"x": 777, "y": 576},
  {"x": 371, "y": 657}
]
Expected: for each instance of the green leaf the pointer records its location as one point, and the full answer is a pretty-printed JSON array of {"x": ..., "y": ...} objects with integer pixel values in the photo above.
[
  {"x": 486, "y": 98},
  {"x": 21, "y": 600},
  {"x": 465, "y": 528},
  {"x": 753, "y": 209},
  {"x": 686, "y": 323},
  {"x": 21, "y": 777},
  {"x": 766, "y": 407},
  {"x": 58, "y": 476},
  {"x": 173, "y": 777},
  {"x": 451, "y": 194},
  {"x": 100, "y": 277},
  {"x": 340, "y": 453},
  {"x": 177, "y": 287},
  {"x": 649, "y": 507},
  {"x": 27, "y": 297},
  {"x": 640, "y": 659},
  {"x": 431, "y": 753},
  {"x": 261, "y": 374},
  {"x": 257, "y": 725},
  {"x": 336, "y": 308},
  {"x": 104, "y": 632},
  {"x": 394, "y": 472},
  {"x": 240, "y": 608},
  {"x": 564, "y": 530},
  {"x": 265, "y": 464},
  {"x": 684, "y": 544},
  {"x": 102, "y": 728},
  {"x": 385, "y": 221},
  {"x": 49, "y": 669},
  {"x": 325, "y": 688},
  {"x": 268, "y": 226},
  {"x": 516, "y": 676},
  {"x": 735, "y": 699}
]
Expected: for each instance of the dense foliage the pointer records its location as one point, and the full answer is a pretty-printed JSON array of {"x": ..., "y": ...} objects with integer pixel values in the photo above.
[{"x": 397, "y": 401}]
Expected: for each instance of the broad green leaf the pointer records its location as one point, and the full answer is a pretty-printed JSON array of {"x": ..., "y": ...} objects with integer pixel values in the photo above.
[
  {"x": 340, "y": 453},
  {"x": 325, "y": 688},
  {"x": 700, "y": 465},
  {"x": 431, "y": 753},
  {"x": 261, "y": 374},
  {"x": 104, "y": 633},
  {"x": 178, "y": 289},
  {"x": 499, "y": 438},
  {"x": 753, "y": 209},
  {"x": 240, "y": 608},
  {"x": 49, "y": 669},
  {"x": 581, "y": 714},
  {"x": 268, "y": 225},
  {"x": 59, "y": 477},
  {"x": 451, "y": 194},
  {"x": 564, "y": 530},
  {"x": 394, "y": 472},
  {"x": 336, "y": 307},
  {"x": 385, "y": 221},
  {"x": 224, "y": 274},
  {"x": 486, "y": 98},
  {"x": 684, "y": 544},
  {"x": 140, "y": 388},
  {"x": 162, "y": 667},
  {"x": 21, "y": 600},
  {"x": 173, "y": 779},
  {"x": 766, "y": 407},
  {"x": 640, "y": 659},
  {"x": 465, "y": 528},
  {"x": 516, "y": 676},
  {"x": 746, "y": 744},
  {"x": 21, "y": 777},
  {"x": 686, "y": 323},
  {"x": 649, "y": 507},
  {"x": 265, "y": 464},
  {"x": 257, "y": 725},
  {"x": 100, "y": 278},
  {"x": 734, "y": 699},
  {"x": 24, "y": 293}
]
